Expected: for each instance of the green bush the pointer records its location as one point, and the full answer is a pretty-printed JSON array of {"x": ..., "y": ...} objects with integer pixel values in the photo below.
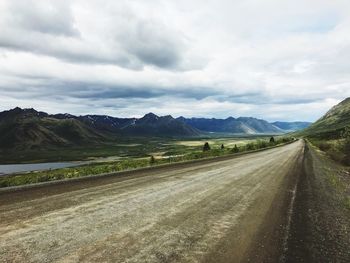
[
  {"x": 152, "y": 160},
  {"x": 235, "y": 149},
  {"x": 262, "y": 144},
  {"x": 324, "y": 146},
  {"x": 336, "y": 155},
  {"x": 206, "y": 147},
  {"x": 250, "y": 146}
]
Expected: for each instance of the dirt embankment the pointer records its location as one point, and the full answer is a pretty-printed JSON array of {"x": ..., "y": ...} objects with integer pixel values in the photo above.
[{"x": 320, "y": 229}]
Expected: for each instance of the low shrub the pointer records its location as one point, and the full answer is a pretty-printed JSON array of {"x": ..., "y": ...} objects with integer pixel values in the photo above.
[
  {"x": 336, "y": 155},
  {"x": 346, "y": 160},
  {"x": 250, "y": 146},
  {"x": 235, "y": 149},
  {"x": 324, "y": 146},
  {"x": 262, "y": 144}
]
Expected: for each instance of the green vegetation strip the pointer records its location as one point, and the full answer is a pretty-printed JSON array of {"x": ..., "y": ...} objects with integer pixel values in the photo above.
[
  {"x": 131, "y": 164},
  {"x": 337, "y": 147},
  {"x": 334, "y": 167}
]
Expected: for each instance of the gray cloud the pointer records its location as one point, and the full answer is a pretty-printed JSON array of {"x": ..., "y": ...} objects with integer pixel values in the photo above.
[
  {"x": 48, "y": 28},
  {"x": 272, "y": 59},
  {"x": 44, "y": 87},
  {"x": 96, "y": 92},
  {"x": 42, "y": 16},
  {"x": 153, "y": 44},
  {"x": 71, "y": 50}
]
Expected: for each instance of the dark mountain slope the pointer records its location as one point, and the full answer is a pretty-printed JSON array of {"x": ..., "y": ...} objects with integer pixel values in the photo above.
[
  {"x": 30, "y": 129},
  {"x": 28, "y": 135},
  {"x": 153, "y": 125},
  {"x": 106, "y": 123},
  {"x": 22, "y": 129}
]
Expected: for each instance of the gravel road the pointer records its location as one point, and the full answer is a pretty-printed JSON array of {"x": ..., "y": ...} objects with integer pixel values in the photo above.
[{"x": 233, "y": 210}]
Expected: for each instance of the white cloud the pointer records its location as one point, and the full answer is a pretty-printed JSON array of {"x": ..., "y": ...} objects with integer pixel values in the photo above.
[{"x": 270, "y": 59}]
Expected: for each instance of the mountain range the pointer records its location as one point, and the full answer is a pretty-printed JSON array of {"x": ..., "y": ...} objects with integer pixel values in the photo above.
[
  {"x": 291, "y": 126},
  {"x": 242, "y": 125},
  {"x": 31, "y": 129}
]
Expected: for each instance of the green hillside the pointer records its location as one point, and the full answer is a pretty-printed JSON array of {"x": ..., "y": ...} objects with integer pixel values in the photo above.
[
  {"x": 331, "y": 133},
  {"x": 332, "y": 124}
]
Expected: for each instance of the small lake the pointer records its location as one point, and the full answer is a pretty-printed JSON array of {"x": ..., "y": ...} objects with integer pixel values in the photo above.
[{"x": 18, "y": 168}]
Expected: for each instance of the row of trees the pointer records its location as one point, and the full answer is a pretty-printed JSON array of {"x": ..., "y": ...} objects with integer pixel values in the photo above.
[{"x": 259, "y": 144}]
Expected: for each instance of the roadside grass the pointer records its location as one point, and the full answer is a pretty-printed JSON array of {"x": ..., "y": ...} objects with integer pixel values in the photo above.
[
  {"x": 336, "y": 145},
  {"x": 332, "y": 147},
  {"x": 346, "y": 202},
  {"x": 335, "y": 181},
  {"x": 177, "y": 155}
]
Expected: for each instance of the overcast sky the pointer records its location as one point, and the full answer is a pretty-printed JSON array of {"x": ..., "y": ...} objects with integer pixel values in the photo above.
[{"x": 272, "y": 59}]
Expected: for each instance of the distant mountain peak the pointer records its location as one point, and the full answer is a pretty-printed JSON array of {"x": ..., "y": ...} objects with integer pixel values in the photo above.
[
  {"x": 168, "y": 117},
  {"x": 18, "y": 112},
  {"x": 150, "y": 114},
  {"x": 150, "y": 117},
  {"x": 16, "y": 109}
]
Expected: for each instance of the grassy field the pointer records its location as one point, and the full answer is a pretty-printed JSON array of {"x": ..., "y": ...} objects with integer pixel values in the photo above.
[
  {"x": 126, "y": 147},
  {"x": 166, "y": 152}
]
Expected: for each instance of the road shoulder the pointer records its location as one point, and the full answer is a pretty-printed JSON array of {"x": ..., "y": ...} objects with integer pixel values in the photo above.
[{"x": 320, "y": 229}]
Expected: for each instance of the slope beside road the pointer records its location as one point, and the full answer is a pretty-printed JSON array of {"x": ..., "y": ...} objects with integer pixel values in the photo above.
[{"x": 233, "y": 210}]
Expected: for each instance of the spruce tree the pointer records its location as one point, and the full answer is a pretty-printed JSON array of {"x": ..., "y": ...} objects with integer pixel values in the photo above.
[
  {"x": 206, "y": 147},
  {"x": 235, "y": 149},
  {"x": 152, "y": 161}
]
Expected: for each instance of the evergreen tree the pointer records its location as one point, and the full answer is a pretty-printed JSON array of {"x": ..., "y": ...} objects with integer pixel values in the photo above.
[
  {"x": 235, "y": 149},
  {"x": 152, "y": 161},
  {"x": 272, "y": 140},
  {"x": 206, "y": 147},
  {"x": 222, "y": 147}
]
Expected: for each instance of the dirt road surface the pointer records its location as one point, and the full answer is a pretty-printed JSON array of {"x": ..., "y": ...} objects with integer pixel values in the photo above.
[{"x": 234, "y": 210}]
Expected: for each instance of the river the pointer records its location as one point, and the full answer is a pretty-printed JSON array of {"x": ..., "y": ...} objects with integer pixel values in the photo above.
[{"x": 18, "y": 168}]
